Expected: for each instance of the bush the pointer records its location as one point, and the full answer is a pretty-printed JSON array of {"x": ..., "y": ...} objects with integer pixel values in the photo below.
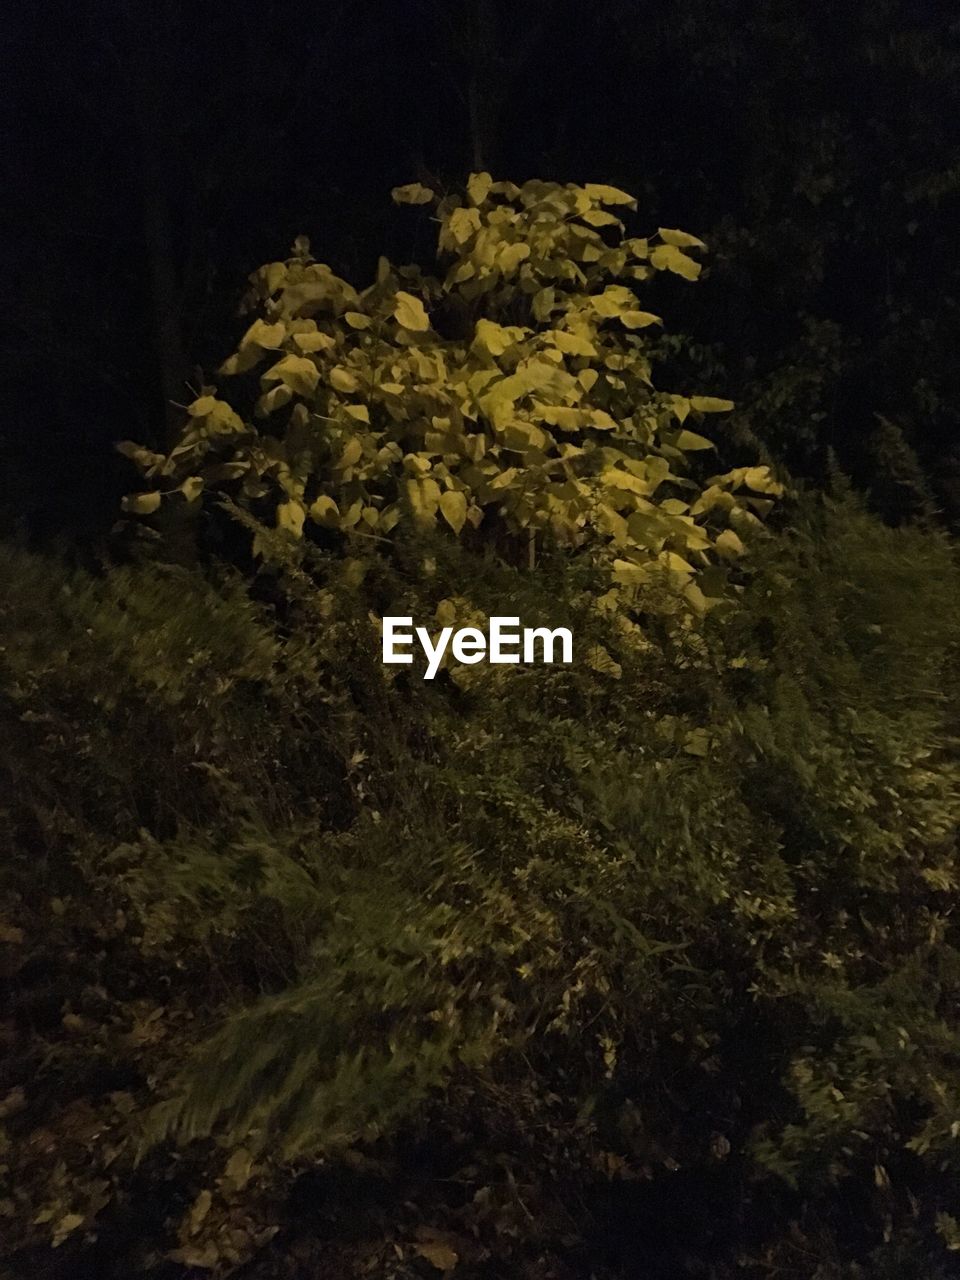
[{"x": 671, "y": 930}]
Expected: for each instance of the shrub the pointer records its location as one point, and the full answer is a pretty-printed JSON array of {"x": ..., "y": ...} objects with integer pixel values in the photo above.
[{"x": 683, "y": 934}]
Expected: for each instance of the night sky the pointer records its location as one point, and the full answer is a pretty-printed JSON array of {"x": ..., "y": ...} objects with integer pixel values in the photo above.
[{"x": 155, "y": 154}]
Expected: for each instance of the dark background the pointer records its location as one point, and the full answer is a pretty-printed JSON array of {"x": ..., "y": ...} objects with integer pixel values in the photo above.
[{"x": 156, "y": 153}]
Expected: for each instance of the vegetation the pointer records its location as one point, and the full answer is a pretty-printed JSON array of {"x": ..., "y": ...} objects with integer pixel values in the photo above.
[{"x": 647, "y": 961}]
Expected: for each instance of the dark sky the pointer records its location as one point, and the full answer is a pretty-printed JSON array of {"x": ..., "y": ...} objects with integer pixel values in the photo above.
[{"x": 156, "y": 153}]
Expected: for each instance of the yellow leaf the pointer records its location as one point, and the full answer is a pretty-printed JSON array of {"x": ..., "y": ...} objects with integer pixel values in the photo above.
[
  {"x": 681, "y": 239},
  {"x": 598, "y": 659},
  {"x": 609, "y": 195},
  {"x": 438, "y": 1255},
  {"x": 199, "y": 1211},
  {"x": 675, "y": 563},
  {"x": 510, "y": 256},
  {"x": 352, "y": 452},
  {"x": 268, "y": 336},
  {"x": 239, "y": 1167},
  {"x": 453, "y": 507},
  {"x": 313, "y": 341},
  {"x": 599, "y": 218},
  {"x": 690, "y": 440},
  {"x": 342, "y": 379},
  {"x": 639, "y": 319},
  {"x": 462, "y": 224},
  {"x": 504, "y": 478},
  {"x": 69, "y": 1222},
  {"x": 496, "y": 338},
  {"x": 290, "y": 516},
  {"x": 572, "y": 344},
  {"x": 697, "y": 742},
  {"x": 667, "y": 257},
  {"x": 710, "y": 404},
  {"x": 324, "y": 510},
  {"x": 141, "y": 504},
  {"x": 412, "y": 193},
  {"x": 478, "y": 187},
  {"x": 410, "y": 314},
  {"x": 357, "y": 320},
  {"x": 296, "y": 372},
  {"x": 759, "y": 478},
  {"x": 728, "y": 544}
]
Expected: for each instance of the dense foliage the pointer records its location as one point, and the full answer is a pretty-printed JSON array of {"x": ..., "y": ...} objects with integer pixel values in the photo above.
[
  {"x": 649, "y": 959},
  {"x": 513, "y": 398},
  {"x": 513, "y": 971}
]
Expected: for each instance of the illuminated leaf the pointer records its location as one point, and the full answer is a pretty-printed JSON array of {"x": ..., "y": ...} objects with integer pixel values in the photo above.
[
  {"x": 410, "y": 313},
  {"x": 638, "y": 319},
  {"x": 412, "y": 193},
  {"x": 710, "y": 404},
  {"x": 297, "y": 372},
  {"x": 667, "y": 257},
  {"x": 324, "y": 510},
  {"x": 453, "y": 507},
  {"x": 438, "y": 1255},
  {"x": 290, "y": 515},
  {"x": 342, "y": 379},
  {"x": 729, "y": 545},
  {"x": 597, "y": 658},
  {"x": 609, "y": 195},
  {"x": 689, "y": 440},
  {"x": 313, "y": 341},
  {"x": 141, "y": 504},
  {"x": 478, "y": 187},
  {"x": 352, "y": 453},
  {"x": 682, "y": 239}
]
